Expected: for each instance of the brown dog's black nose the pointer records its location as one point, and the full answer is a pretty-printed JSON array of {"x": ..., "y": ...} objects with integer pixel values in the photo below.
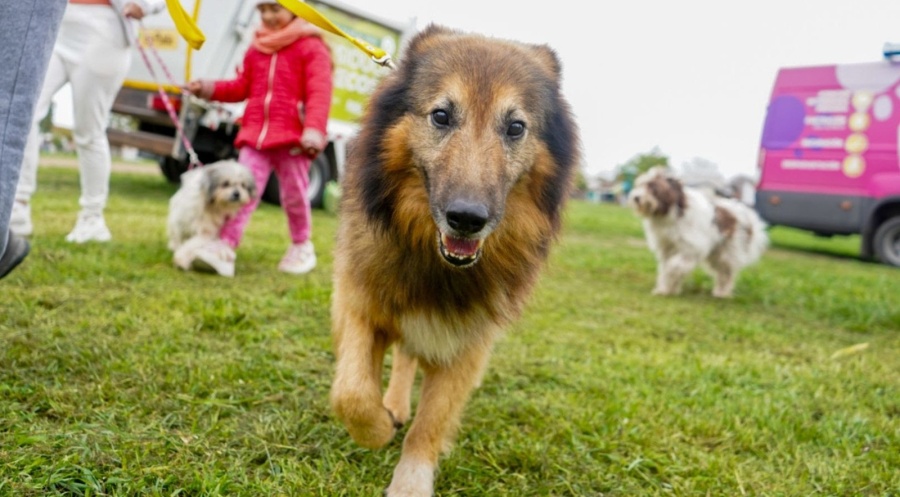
[{"x": 467, "y": 217}]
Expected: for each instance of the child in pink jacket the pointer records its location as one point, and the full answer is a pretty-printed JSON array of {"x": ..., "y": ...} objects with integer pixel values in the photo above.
[{"x": 286, "y": 80}]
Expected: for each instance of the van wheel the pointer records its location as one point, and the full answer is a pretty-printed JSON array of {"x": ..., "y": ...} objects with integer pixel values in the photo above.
[
  {"x": 319, "y": 176},
  {"x": 887, "y": 242}
]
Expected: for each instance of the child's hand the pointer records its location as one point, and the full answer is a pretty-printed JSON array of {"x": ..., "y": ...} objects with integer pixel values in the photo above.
[
  {"x": 201, "y": 88},
  {"x": 195, "y": 87},
  {"x": 311, "y": 152},
  {"x": 312, "y": 142}
]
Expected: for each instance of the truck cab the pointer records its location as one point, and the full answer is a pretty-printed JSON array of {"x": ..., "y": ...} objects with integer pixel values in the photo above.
[
  {"x": 211, "y": 127},
  {"x": 828, "y": 157}
]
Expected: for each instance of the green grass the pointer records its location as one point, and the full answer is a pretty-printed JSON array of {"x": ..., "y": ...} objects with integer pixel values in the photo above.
[{"x": 120, "y": 375}]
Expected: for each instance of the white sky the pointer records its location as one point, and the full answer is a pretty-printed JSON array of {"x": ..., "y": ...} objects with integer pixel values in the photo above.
[{"x": 691, "y": 77}]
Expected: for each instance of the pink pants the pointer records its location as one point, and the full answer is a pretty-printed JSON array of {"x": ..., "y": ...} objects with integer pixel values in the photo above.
[{"x": 292, "y": 170}]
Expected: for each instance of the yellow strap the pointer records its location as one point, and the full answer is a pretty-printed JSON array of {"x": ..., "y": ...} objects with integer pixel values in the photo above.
[
  {"x": 185, "y": 24},
  {"x": 305, "y": 11},
  {"x": 188, "y": 29}
]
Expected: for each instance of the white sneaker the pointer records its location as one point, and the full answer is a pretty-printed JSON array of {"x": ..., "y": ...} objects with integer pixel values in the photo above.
[
  {"x": 89, "y": 228},
  {"x": 20, "y": 220},
  {"x": 299, "y": 259},
  {"x": 215, "y": 257}
]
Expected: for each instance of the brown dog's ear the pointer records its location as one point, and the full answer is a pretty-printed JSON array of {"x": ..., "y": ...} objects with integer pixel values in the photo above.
[
  {"x": 425, "y": 38},
  {"x": 547, "y": 58}
]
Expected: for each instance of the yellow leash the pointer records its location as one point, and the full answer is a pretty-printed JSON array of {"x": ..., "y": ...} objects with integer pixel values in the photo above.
[
  {"x": 185, "y": 24},
  {"x": 311, "y": 15},
  {"x": 187, "y": 28}
]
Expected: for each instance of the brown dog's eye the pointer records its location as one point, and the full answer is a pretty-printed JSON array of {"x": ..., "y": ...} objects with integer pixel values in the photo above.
[
  {"x": 440, "y": 118},
  {"x": 515, "y": 129}
]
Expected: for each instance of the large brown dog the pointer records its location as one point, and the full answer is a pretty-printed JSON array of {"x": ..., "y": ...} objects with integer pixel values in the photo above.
[{"x": 452, "y": 196}]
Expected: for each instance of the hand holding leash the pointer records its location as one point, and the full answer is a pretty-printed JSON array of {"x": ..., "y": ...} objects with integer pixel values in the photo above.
[
  {"x": 133, "y": 10},
  {"x": 200, "y": 88}
]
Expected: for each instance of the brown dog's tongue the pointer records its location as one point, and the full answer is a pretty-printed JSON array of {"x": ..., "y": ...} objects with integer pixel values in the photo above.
[{"x": 460, "y": 246}]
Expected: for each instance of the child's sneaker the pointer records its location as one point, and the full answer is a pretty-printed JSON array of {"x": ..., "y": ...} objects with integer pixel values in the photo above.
[
  {"x": 89, "y": 228},
  {"x": 299, "y": 259},
  {"x": 20, "y": 220},
  {"x": 214, "y": 257}
]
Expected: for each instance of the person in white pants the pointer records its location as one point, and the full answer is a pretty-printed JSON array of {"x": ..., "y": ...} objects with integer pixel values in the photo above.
[{"x": 93, "y": 54}]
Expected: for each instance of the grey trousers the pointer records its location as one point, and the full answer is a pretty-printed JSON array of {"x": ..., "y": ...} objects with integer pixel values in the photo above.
[{"x": 27, "y": 33}]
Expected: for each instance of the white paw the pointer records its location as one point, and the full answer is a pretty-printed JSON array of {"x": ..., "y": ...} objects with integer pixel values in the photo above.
[{"x": 411, "y": 479}]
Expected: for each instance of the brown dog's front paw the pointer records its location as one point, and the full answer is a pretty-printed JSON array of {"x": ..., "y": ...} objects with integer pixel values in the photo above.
[
  {"x": 398, "y": 421},
  {"x": 399, "y": 412},
  {"x": 373, "y": 434},
  {"x": 371, "y": 429}
]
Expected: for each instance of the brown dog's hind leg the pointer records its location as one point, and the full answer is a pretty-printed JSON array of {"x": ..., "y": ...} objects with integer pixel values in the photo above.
[
  {"x": 356, "y": 390},
  {"x": 445, "y": 392},
  {"x": 399, "y": 390}
]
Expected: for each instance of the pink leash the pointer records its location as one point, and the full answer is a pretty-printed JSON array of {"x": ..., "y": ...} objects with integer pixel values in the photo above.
[{"x": 179, "y": 129}]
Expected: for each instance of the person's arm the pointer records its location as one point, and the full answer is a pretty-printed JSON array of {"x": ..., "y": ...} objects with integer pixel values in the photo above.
[
  {"x": 318, "y": 75},
  {"x": 227, "y": 90},
  {"x": 234, "y": 90}
]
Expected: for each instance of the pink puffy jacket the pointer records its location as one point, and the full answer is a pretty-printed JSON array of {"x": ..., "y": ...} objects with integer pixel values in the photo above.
[{"x": 287, "y": 92}]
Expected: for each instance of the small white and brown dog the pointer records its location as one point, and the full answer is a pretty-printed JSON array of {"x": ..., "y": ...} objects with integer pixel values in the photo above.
[
  {"x": 208, "y": 196},
  {"x": 688, "y": 227}
]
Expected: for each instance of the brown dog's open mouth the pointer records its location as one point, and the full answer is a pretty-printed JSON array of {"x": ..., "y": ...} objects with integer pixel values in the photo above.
[{"x": 460, "y": 252}]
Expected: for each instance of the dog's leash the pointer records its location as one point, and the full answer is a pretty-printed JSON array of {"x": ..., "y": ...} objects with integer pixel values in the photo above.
[
  {"x": 185, "y": 24},
  {"x": 179, "y": 127},
  {"x": 311, "y": 15},
  {"x": 188, "y": 29}
]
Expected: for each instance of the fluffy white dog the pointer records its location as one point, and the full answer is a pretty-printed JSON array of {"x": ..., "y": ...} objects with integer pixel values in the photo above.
[
  {"x": 208, "y": 196},
  {"x": 687, "y": 227}
]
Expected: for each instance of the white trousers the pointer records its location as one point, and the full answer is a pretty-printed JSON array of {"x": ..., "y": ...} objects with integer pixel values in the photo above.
[{"x": 92, "y": 54}]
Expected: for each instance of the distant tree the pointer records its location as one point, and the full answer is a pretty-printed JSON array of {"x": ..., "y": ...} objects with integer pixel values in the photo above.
[
  {"x": 641, "y": 163},
  {"x": 627, "y": 172},
  {"x": 580, "y": 187}
]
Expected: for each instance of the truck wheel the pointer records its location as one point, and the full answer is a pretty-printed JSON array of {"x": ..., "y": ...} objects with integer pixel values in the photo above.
[
  {"x": 319, "y": 176},
  {"x": 887, "y": 242},
  {"x": 172, "y": 168}
]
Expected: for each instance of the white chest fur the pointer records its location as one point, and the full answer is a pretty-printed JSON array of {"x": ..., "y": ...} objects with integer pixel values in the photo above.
[{"x": 439, "y": 338}]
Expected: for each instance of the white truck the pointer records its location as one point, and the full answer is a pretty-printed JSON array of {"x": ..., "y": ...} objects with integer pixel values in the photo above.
[{"x": 211, "y": 127}]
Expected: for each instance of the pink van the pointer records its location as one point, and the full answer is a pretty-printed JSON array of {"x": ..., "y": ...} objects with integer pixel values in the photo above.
[{"x": 829, "y": 157}]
